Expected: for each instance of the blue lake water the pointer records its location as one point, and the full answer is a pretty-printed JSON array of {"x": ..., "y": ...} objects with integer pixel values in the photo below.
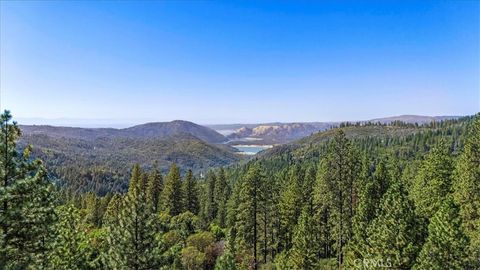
[{"x": 251, "y": 149}]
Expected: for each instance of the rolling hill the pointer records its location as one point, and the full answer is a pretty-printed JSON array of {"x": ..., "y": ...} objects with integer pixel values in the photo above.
[{"x": 148, "y": 130}]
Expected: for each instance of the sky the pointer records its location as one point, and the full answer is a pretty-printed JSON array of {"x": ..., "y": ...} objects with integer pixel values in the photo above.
[{"x": 106, "y": 63}]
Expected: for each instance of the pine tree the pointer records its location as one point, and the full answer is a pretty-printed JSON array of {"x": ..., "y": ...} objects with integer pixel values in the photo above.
[
  {"x": 135, "y": 179},
  {"x": 467, "y": 189},
  {"x": 322, "y": 214},
  {"x": 433, "y": 181},
  {"x": 69, "y": 248},
  {"x": 290, "y": 205},
  {"x": 394, "y": 234},
  {"x": 131, "y": 240},
  {"x": 113, "y": 210},
  {"x": 154, "y": 188},
  {"x": 27, "y": 200},
  {"x": 268, "y": 217},
  {"x": 172, "y": 195},
  {"x": 190, "y": 190},
  {"x": 210, "y": 204},
  {"x": 221, "y": 194},
  {"x": 303, "y": 254},
  {"x": 338, "y": 173},
  {"x": 93, "y": 210},
  {"x": 248, "y": 213},
  {"x": 371, "y": 190},
  {"x": 445, "y": 247}
]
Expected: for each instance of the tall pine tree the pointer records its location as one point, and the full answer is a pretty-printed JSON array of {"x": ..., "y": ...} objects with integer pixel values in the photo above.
[
  {"x": 467, "y": 189},
  {"x": 433, "y": 181},
  {"x": 304, "y": 252},
  {"x": 27, "y": 201},
  {"x": 131, "y": 240},
  {"x": 446, "y": 245},
  {"x": 248, "y": 213},
  {"x": 172, "y": 195},
  {"x": 190, "y": 191},
  {"x": 395, "y": 233},
  {"x": 154, "y": 188}
]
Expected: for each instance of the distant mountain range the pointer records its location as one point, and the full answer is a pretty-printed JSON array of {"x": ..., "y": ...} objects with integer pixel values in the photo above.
[
  {"x": 280, "y": 133},
  {"x": 148, "y": 130},
  {"x": 189, "y": 145}
]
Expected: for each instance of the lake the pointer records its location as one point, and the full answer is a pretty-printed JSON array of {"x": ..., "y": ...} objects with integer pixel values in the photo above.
[{"x": 251, "y": 149}]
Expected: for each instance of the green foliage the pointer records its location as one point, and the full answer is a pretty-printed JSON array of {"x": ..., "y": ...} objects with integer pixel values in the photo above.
[
  {"x": 93, "y": 210},
  {"x": 172, "y": 195},
  {"x": 192, "y": 258},
  {"x": 446, "y": 244},
  {"x": 467, "y": 189},
  {"x": 131, "y": 240},
  {"x": 154, "y": 189},
  {"x": 70, "y": 248},
  {"x": 307, "y": 205},
  {"x": 226, "y": 261},
  {"x": 27, "y": 201},
  {"x": 247, "y": 212},
  {"x": 433, "y": 181},
  {"x": 190, "y": 191},
  {"x": 338, "y": 173},
  {"x": 209, "y": 202},
  {"x": 304, "y": 252},
  {"x": 394, "y": 234},
  {"x": 221, "y": 195}
]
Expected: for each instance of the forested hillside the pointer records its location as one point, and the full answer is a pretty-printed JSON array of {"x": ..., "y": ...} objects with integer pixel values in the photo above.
[
  {"x": 361, "y": 196},
  {"x": 99, "y": 160}
]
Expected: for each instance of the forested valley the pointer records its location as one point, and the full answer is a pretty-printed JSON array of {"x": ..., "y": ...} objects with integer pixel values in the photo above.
[{"x": 360, "y": 196}]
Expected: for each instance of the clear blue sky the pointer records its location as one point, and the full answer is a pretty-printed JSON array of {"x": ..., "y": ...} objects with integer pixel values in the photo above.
[{"x": 218, "y": 62}]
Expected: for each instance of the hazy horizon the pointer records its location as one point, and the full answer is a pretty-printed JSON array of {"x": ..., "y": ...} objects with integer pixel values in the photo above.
[
  {"x": 118, "y": 123},
  {"x": 239, "y": 62}
]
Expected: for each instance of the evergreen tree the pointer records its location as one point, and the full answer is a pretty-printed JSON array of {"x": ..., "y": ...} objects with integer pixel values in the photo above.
[
  {"x": 172, "y": 195},
  {"x": 70, "y": 250},
  {"x": 433, "y": 181},
  {"x": 93, "y": 210},
  {"x": 248, "y": 213},
  {"x": 131, "y": 240},
  {"x": 395, "y": 233},
  {"x": 446, "y": 245},
  {"x": 268, "y": 217},
  {"x": 221, "y": 194},
  {"x": 467, "y": 189},
  {"x": 303, "y": 254},
  {"x": 26, "y": 203},
  {"x": 190, "y": 190},
  {"x": 290, "y": 205},
  {"x": 113, "y": 210},
  {"x": 154, "y": 188},
  {"x": 135, "y": 179},
  {"x": 339, "y": 170},
  {"x": 323, "y": 216},
  {"x": 210, "y": 204}
]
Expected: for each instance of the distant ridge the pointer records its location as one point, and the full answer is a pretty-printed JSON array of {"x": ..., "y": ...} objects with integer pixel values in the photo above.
[
  {"x": 280, "y": 133},
  {"x": 143, "y": 131},
  {"x": 168, "y": 129},
  {"x": 420, "y": 119}
]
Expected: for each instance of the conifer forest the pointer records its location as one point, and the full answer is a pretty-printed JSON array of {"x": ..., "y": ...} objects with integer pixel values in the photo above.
[{"x": 358, "y": 196}]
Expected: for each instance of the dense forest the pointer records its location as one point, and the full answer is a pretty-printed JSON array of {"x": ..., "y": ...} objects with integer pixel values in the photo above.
[{"x": 360, "y": 196}]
